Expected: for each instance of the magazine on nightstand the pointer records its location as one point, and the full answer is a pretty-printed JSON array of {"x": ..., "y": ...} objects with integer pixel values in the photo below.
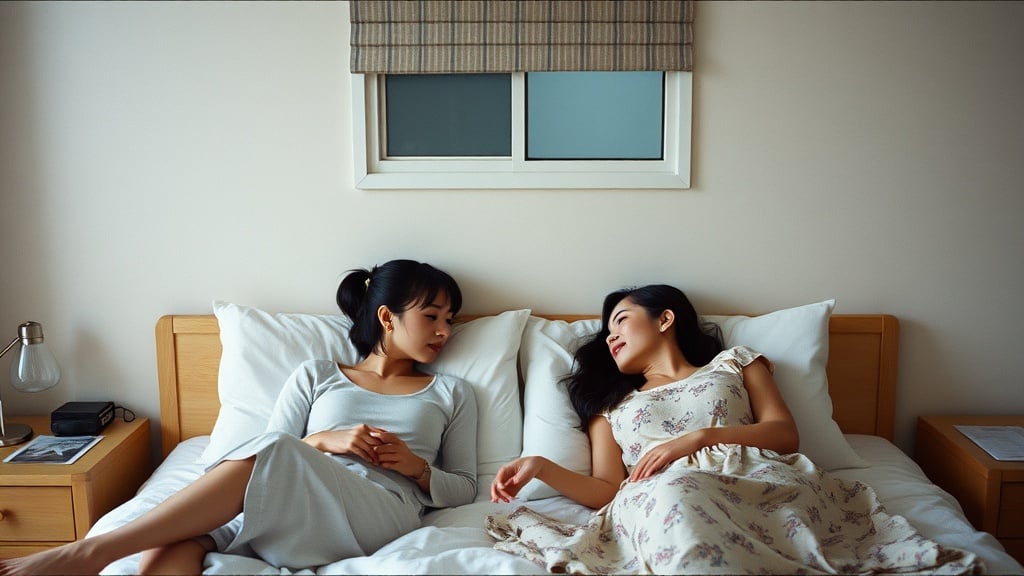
[
  {"x": 53, "y": 449},
  {"x": 1001, "y": 442}
]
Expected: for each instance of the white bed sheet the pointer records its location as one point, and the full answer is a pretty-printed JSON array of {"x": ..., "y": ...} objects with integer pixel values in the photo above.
[{"x": 453, "y": 541}]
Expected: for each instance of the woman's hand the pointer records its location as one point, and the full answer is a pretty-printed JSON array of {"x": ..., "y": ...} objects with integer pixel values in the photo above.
[
  {"x": 661, "y": 456},
  {"x": 361, "y": 441},
  {"x": 394, "y": 454},
  {"x": 374, "y": 445},
  {"x": 513, "y": 476}
]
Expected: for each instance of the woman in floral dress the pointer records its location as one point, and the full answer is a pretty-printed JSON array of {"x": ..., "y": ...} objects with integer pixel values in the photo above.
[{"x": 695, "y": 466}]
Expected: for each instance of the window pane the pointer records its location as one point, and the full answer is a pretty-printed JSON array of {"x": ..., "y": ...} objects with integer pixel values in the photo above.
[
  {"x": 449, "y": 115},
  {"x": 594, "y": 115}
]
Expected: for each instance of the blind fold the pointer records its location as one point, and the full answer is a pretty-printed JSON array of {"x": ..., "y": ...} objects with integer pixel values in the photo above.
[{"x": 478, "y": 36}]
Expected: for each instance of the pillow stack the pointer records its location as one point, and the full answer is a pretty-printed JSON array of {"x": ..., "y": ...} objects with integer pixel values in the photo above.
[{"x": 261, "y": 349}]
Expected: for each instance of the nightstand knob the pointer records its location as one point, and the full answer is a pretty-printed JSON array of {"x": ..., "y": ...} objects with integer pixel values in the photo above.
[{"x": 1, "y": 515}]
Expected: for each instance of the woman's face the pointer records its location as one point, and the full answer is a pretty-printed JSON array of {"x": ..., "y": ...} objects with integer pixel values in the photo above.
[
  {"x": 633, "y": 336},
  {"x": 421, "y": 332}
]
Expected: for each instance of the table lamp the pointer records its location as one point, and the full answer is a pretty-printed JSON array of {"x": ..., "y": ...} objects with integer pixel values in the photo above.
[{"x": 33, "y": 369}]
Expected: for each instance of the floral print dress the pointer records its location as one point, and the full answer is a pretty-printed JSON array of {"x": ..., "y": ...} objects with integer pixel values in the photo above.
[{"x": 726, "y": 508}]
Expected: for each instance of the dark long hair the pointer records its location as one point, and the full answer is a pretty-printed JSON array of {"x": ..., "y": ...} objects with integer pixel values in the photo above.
[
  {"x": 399, "y": 285},
  {"x": 596, "y": 385}
]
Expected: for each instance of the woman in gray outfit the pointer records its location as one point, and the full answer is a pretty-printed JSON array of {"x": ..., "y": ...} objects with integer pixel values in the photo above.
[{"x": 376, "y": 442}]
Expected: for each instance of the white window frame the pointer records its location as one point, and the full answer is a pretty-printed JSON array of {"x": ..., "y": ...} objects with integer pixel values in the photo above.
[{"x": 373, "y": 170}]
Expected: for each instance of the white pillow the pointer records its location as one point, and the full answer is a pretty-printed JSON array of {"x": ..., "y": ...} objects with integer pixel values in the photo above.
[
  {"x": 483, "y": 352},
  {"x": 550, "y": 425},
  {"x": 795, "y": 340},
  {"x": 261, "y": 349}
]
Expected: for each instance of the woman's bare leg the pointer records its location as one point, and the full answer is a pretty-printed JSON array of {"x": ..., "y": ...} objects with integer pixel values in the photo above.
[
  {"x": 209, "y": 502},
  {"x": 185, "y": 557}
]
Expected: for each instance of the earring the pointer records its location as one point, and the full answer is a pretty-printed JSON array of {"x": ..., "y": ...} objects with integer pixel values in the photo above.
[{"x": 388, "y": 327}]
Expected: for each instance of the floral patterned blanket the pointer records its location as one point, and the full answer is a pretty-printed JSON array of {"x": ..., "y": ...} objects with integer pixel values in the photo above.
[{"x": 730, "y": 509}]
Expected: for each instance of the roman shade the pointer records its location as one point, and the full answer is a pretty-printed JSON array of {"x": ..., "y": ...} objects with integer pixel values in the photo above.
[{"x": 501, "y": 36}]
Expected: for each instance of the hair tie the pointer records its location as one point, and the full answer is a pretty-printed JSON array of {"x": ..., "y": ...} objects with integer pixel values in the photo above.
[{"x": 367, "y": 283}]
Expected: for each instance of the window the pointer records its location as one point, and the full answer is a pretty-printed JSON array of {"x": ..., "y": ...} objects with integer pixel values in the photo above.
[
  {"x": 450, "y": 115},
  {"x": 523, "y": 130},
  {"x": 594, "y": 115}
]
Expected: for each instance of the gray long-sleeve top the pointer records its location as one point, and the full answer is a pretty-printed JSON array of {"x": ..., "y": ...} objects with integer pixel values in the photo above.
[{"x": 438, "y": 423}]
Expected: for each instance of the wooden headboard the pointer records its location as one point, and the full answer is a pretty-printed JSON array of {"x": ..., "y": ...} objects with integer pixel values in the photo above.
[{"x": 863, "y": 351}]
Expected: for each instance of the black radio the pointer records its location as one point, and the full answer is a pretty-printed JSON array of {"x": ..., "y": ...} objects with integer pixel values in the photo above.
[{"x": 81, "y": 418}]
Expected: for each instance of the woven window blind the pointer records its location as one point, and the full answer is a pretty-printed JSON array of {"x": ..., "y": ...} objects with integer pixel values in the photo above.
[{"x": 478, "y": 36}]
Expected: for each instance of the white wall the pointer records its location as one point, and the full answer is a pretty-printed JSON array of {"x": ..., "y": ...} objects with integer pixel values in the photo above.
[{"x": 157, "y": 156}]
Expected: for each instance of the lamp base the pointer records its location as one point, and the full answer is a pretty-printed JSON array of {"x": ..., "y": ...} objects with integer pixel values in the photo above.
[{"x": 15, "y": 434}]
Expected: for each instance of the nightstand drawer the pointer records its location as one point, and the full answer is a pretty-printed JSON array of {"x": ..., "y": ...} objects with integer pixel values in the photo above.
[
  {"x": 36, "y": 513},
  {"x": 1011, "y": 511}
]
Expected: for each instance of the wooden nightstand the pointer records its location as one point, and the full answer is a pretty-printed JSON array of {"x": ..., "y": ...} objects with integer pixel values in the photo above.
[
  {"x": 990, "y": 491},
  {"x": 46, "y": 505}
]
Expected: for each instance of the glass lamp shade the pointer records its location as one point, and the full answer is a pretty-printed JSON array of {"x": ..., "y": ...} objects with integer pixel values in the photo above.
[{"x": 33, "y": 368}]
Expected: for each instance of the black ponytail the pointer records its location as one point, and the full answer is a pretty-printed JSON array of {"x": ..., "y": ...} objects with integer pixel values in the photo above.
[{"x": 352, "y": 291}]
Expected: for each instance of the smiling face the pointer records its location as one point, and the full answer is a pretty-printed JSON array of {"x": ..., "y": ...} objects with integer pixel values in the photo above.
[
  {"x": 421, "y": 332},
  {"x": 634, "y": 336}
]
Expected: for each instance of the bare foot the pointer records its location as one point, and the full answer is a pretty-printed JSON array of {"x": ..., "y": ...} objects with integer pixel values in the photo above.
[{"x": 73, "y": 558}]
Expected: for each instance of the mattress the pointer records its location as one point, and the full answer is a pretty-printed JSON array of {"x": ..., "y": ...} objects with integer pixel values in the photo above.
[{"x": 453, "y": 541}]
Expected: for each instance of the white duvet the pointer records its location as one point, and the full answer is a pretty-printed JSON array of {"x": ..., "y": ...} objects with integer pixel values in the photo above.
[{"x": 453, "y": 541}]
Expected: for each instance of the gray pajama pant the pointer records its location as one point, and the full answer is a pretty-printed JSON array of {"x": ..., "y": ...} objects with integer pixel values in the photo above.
[{"x": 304, "y": 508}]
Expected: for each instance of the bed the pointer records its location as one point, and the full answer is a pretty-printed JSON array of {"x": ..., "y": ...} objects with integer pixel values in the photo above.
[{"x": 218, "y": 371}]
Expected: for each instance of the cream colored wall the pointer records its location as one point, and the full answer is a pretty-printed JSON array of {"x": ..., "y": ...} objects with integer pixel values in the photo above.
[{"x": 157, "y": 156}]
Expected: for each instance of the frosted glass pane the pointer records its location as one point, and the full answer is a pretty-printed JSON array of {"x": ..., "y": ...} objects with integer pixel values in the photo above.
[
  {"x": 449, "y": 115},
  {"x": 594, "y": 115}
]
